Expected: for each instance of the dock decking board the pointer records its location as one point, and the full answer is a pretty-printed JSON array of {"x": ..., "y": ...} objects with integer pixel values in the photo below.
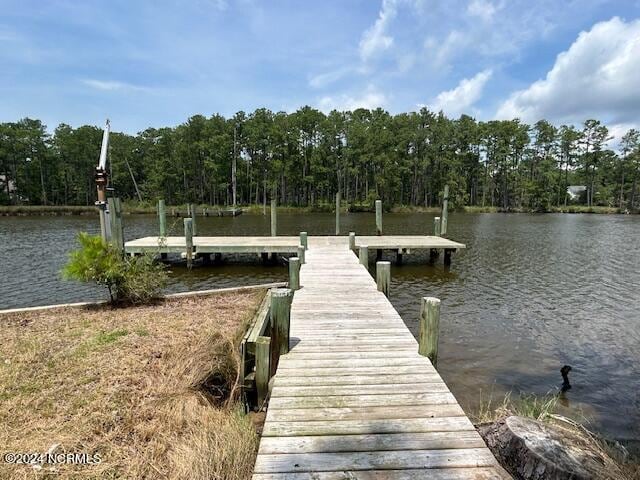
[{"x": 353, "y": 399}]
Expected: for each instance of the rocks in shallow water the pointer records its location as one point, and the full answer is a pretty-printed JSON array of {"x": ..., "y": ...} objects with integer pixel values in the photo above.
[{"x": 532, "y": 450}]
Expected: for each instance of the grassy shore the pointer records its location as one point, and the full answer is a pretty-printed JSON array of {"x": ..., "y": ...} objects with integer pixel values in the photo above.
[
  {"x": 152, "y": 390},
  {"x": 135, "y": 208}
]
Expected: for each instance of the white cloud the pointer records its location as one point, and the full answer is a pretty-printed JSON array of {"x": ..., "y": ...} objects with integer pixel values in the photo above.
[
  {"x": 598, "y": 76},
  {"x": 460, "y": 99},
  {"x": 371, "y": 98},
  {"x": 482, "y": 9},
  {"x": 324, "y": 79},
  {"x": 109, "y": 85},
  {"x": 375, "y": 39}
]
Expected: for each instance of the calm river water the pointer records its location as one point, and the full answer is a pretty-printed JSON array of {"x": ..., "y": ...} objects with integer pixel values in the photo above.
[{"x": 530, "y": 294}]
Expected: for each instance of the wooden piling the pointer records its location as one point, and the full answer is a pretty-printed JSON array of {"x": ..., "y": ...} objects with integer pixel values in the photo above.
[
  {"x": 303, "y": 240},
  {"x": 378, "y": 217},
  {"x": 364, "y": 255},
  {"x": 274, "y": 219},
  {"x": 280, "y": 319},
  {"x": 383, "y": 277},
  {"x": 447, "y": 256},
  {"x": 436, "y": 226},
  {"x": 263, "y": 368},
  {"x": 115, "y": 219},
  {"x": 429, "y": 328},
  {"x": 294, "y": 273},
  {"x": 301, "y": 254},
  {"x": 352, "y": 241},
  {"x": 162, "y": 218},
  {"x": 338, "y": 213},
  {"x": 188, "y": 238},
  {"x": 192, "y": 214},
  {"x": 445, "y": 213}
]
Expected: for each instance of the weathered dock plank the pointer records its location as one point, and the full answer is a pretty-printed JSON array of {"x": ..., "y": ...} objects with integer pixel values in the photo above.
[{"x": 353, "y": 398}]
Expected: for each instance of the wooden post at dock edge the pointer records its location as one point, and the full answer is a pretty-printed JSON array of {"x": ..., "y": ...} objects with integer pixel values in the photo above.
[
  {"x": 294, "y": 273},
  {"x": 436, "y": 226},
  {"x": 115, "y": 220},
  {"x": 303, "y": 240},
  {"x": 445, "y": 213},
  {"x": 162, "y": 218},
  {"x": 363, "y": 255},
  {"x": 352, "y": 241},
  {"x": 274, "y": 219},
  {"x": 280, "y": 320},
  {"x": 383, "y": 277},
  {"x": 193, "y": 217},
  {"x": 378, "y": 217},
  {"x": 447, "y": 255},
  {"x": 429, "y": 328},
  {"x": 338, "y": 213},
  {"x": 188, "y": 240},
  {"x": 301, "y": 254},
  {"x": 263, "y": 368}
]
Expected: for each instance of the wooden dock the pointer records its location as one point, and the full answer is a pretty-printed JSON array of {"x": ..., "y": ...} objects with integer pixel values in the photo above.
[
  {"x": 353, "y": 399},
  {"x": 287, "y": 244}
]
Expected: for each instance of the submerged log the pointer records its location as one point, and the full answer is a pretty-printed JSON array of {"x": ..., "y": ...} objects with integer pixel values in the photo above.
[{"x": 532, "y": 450}]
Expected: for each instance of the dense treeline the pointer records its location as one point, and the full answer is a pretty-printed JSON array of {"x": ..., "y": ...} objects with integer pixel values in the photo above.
[{"x": 303, "y": 158}]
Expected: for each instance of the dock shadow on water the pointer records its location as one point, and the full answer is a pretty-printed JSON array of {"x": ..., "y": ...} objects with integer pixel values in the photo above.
[{"x": 530, "y": 294}]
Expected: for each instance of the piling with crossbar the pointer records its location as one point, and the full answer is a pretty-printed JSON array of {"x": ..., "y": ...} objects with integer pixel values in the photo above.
[
  {"x": 188, "y": 239},
  {"x": 429, "y": 328},
  {"x": 352, "y": 241},
  {"x": 263, "y": 368},
  {"x": 301, "y": 254},
  {"x": 436, "y": 226},
  {"x": 445, "y": 213},
  {"x": 338, "y": 213},
  {"x": 294, "y": 273},
  {"x": 281, "y": 319},
  {"x": 115, "y": 219},
  {"x": 274, "y": 219},
  {"x": 364, "y": 255},
  {"x": 303, "y": 240},
  {"x": 162, "y": 218},
  {"x": 383, "y": 277},
  {"x": 378, "y": 217}
]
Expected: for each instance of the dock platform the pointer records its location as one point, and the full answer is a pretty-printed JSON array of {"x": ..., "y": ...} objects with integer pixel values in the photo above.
[
  {"x": 287, "y": 244},
  {"x": 353, "y": 399}
]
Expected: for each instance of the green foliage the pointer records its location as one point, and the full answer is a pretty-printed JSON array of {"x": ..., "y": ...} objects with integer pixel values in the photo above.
[
  {"x": 302, "y": 159},
  {"x": 128, "y": 279}
]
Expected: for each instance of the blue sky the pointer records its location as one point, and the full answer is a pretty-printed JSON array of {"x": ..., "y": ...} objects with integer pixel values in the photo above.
[{"x": 155, "y": 63}]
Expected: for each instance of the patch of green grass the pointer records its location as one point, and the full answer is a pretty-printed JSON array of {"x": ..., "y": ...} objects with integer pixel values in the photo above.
[
  {"x": 538, "y": 407},
  {"x": 104, "y": 338},
  {"x": 142, "y": 332}
]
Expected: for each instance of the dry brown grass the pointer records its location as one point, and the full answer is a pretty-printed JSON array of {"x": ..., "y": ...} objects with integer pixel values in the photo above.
[{"x": 151, "y": 389}]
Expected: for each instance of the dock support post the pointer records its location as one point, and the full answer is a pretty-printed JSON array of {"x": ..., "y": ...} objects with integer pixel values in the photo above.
[
  {"x": 378, "y": 217},
  {"x": 436, "y": 226},
  {"x": 280, "y": 320},
  {"x": 447, "y": 255},
  {"x": 364, "y": 255},
  {"x": 301, "y": 254},
  {"x": 192, "y": 214},
  {"x": 294, "y": 273},
  {"x": 445, "y": 213},
  {"x": 399, "y": 257},
  {"x": 303, "y": 240},
  {"x": 263, "y": 368},
  {"x": 352, "y": 241},
  {"x": 162, "y": 218},
  {"x": 383, "y": 277},
  {"x": 265, "y": 257},
  {"x": 429, "y": 328},
  {"x": 433, "y": 254},
  {"x": 188, "y": 239},
  {"x": 338, "y": 213},
  {"x": 274, "y": 219},
  {"x": 115, "y": 219}
]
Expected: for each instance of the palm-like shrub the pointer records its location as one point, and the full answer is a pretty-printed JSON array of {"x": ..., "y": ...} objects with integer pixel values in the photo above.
[{"x": 128, "y": 279}]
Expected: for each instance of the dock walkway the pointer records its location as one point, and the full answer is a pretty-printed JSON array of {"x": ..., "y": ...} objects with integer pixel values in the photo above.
[{"x": 353, "y": 399}]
